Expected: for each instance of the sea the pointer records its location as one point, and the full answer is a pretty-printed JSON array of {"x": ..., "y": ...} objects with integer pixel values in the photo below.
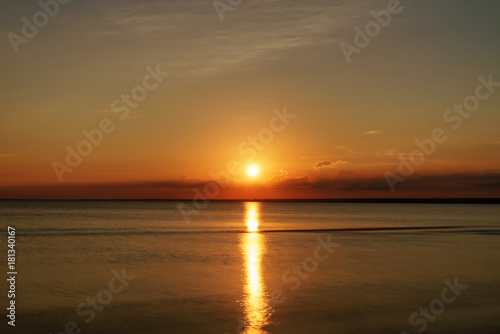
[{"x": 249, "y": 267}]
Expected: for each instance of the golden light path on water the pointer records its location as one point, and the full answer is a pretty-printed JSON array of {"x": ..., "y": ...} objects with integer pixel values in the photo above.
[{"x": 255, "y": 302}]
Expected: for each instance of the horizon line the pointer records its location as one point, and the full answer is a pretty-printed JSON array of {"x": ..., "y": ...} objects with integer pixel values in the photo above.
[{"x": 423, "y": 200}]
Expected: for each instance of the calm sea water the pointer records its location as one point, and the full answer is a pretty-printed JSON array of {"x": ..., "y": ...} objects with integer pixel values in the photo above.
[{"x": 138, "y": 267}]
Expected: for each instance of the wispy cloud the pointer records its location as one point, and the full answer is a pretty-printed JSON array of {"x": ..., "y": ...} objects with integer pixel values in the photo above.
[
  {"x": 389, "y": 153},
  {"x": 373, "y": 132},
  {"x": 344, "y": 148},
  {"x": 330, "y": 164},
  {"x": 190, "y": 32}
]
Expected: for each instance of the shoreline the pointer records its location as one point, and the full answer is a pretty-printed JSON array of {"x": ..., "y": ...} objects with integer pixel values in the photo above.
[{"x": 295, "y": 200}]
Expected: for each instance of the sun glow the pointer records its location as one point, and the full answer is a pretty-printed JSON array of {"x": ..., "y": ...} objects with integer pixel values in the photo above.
[{"x": 253, "y": 170}]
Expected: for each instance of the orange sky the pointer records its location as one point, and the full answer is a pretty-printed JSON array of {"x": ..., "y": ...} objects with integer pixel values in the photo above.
[{"x": 229, "y": 88}]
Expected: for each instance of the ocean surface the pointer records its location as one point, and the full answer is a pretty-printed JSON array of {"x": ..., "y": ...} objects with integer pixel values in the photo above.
[{"x": 252, "y": 267}]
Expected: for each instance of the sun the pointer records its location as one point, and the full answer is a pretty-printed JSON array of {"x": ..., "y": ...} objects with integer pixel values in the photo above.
[{"x": 253, "y": 170}]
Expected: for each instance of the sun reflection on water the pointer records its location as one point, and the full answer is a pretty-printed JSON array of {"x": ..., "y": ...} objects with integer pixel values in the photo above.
[{"x": 255, "y": 302}]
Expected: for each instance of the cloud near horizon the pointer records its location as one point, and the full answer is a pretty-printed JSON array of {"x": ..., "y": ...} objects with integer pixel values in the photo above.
[
  {"x": 330, "y": 164},
  {"x": 282, "y": 186}
]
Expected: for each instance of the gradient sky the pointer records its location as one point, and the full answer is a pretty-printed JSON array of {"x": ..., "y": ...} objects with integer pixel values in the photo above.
[{"x": 226, "y": 78}]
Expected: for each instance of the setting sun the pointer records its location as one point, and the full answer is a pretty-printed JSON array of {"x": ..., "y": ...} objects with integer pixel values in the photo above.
[{"x": 253, "y": 170}]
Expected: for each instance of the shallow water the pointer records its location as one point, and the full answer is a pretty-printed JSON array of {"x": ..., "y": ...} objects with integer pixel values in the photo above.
[{"x": 220, "y": 273}]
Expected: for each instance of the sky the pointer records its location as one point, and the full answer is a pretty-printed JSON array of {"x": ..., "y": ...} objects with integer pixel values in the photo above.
[{"x": 179, "y": 97}]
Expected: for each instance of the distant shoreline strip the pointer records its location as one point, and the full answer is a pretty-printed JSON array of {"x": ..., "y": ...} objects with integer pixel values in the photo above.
[{"x": 315, "y": 200}]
